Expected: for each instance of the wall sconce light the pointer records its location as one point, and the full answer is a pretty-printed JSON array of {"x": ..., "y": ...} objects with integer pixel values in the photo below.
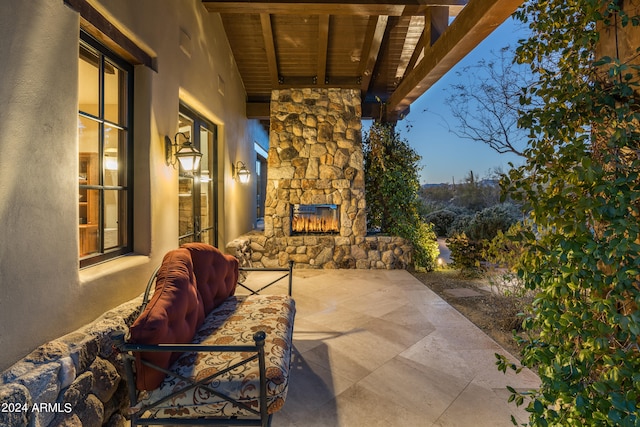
[
  {"x": 186, "y": 154},
  {"x": 241, "y": 172}
]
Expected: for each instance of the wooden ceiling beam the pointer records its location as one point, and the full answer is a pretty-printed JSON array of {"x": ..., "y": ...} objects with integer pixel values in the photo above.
[
  {"x": 438, "y": 19},
  {"x": 272, "y": 59},
  {"x": 371, "y": 48},
  {"x": 420, "y": 46},
  {"x": 329, "y": 7},
  {"x": 474, "y": 23},
  {"x": 376, "y": 111},
  {"x": 258, "y": 110},
  {"x": 323, "y": 43}
]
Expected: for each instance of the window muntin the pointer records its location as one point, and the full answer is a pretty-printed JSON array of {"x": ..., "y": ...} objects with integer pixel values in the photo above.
[{"x": 104, "y": 153}]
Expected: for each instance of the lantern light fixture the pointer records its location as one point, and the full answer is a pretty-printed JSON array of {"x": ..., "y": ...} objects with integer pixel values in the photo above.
[
  {"x": 186, "y": 153},
  {"x": 241, "y": 172}
]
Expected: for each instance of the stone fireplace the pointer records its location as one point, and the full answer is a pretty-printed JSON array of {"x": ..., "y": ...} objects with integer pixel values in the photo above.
[
  {"x": 315, "y": 210},
  {"x": 315, "y": 158}
]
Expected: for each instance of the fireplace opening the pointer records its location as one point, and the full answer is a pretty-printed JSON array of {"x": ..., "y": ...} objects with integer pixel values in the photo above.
[{"x": 324, "y": 218}]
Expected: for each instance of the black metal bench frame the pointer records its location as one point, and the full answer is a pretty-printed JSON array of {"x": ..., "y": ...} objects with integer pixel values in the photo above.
[
  {"x": 288, "y": 272},
  {"x": 256, "y": 352}
]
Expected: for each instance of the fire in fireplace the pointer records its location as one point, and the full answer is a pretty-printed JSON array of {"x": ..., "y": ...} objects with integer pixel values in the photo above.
[{"x": 323, "y": 218}]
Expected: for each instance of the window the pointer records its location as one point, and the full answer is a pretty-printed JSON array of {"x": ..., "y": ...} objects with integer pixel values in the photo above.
[
  {"x": 261, "y": 180},
  {"x": 104, "y": 153},
  {"x": 197, "y": 216}
]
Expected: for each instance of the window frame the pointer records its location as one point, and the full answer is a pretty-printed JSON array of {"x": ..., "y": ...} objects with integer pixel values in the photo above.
[
  {"x": 125, "y": 159},
  {"x": 200, "y": 122}
]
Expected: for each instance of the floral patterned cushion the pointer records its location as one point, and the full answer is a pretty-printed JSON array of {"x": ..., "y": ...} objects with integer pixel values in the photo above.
[{"x": 232, "y": 323}]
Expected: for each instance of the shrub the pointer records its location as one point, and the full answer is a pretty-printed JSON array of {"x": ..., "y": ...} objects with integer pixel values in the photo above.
[
  {"x": 442, "y": 221},
  {"x": 425, "y": 246},
  {"x": 466, "y": 254},
  {"x": 460, "y": 225},
  {"x": 391, "y": 183},
  {"x": 505, "y": 250},
  {"x": 486, "y": 224},
  {"x": 504, "y": 256}
]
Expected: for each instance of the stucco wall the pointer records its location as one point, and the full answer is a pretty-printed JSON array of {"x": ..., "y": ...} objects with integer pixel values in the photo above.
[{"x": 43, "y": 294}]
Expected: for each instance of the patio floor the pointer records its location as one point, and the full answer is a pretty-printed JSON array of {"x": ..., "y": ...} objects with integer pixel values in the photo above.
[{"x": 378, "y": 348}]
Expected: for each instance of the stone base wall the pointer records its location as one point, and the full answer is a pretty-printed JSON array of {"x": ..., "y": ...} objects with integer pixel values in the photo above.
[
  {"x": 75, "y": 380},
  {"x": 369, "y": 252}
]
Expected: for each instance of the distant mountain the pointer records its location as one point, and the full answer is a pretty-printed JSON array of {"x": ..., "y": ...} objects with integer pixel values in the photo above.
[
  {"x": 435, "y": 185},
  {"x": 483, "y": 183}
]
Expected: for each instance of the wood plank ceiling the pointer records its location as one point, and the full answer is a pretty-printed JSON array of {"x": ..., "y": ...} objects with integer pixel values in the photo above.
[{"x": 392, "y": 50}]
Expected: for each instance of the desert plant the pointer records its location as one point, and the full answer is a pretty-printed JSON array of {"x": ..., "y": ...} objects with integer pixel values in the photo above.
[
  {"x": 474, "y": 194},
  {"x": 486, "y": 224},
  {"x": 460, "y": 225},
  {"x": 466, "y": 254},
  {"x": 441, "y": 220},
  {"x": 504, "y": 255}
]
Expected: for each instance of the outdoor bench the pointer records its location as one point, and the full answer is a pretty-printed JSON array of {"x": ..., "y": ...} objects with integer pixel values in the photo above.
[{"x": 198, "y": 353}]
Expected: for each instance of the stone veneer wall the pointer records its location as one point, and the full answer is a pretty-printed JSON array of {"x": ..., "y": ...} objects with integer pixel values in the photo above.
[
  {"x": 315, "y": 157},
  {"x": 75, "y": 380}
]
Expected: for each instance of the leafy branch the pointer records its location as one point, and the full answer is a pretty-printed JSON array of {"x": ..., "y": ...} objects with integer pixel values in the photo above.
[{"x": 581, "y": 182}]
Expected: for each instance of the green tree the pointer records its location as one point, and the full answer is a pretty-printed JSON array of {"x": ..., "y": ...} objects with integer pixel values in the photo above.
[
  {"x": 581, "y": 184},
  {"x": 392, "y": 186}
]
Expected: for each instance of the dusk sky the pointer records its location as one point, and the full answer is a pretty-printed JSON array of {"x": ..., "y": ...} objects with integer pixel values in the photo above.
[{"x": 444, "y": 155}]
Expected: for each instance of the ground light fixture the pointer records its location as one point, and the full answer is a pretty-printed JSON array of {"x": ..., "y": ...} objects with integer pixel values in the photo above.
[
  {"x": 186, "y": 153},
  {"x": 241, "y": 172}
]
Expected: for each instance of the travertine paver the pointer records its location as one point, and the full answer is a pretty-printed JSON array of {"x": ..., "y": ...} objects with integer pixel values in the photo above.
[
  {"x": 378, "y": 348},
  {"x": 462, "y": 292}
]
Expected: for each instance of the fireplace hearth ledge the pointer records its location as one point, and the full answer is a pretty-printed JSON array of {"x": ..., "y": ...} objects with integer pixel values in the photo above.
[{"x": 322, "y": 252}]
